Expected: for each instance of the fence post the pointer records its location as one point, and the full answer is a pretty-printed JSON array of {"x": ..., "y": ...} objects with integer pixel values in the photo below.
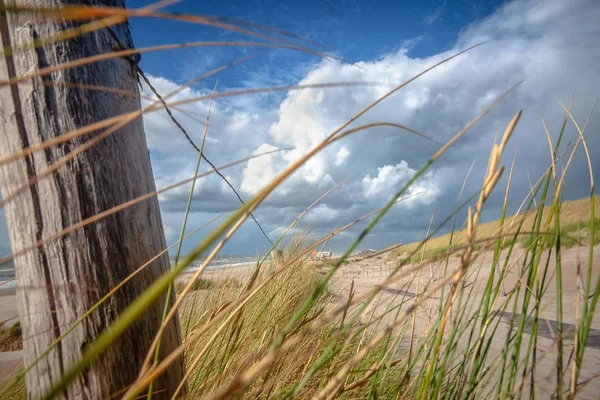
[{"x": 59, "y": 281}]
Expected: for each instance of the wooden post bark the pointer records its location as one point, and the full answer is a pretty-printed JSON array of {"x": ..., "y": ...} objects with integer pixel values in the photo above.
[{"x": 61, "y": 280}]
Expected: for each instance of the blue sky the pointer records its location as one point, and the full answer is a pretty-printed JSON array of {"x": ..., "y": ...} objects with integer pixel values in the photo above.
[
  {"x": 352, "y": 29},
  {"x": 553, "y": 47}
]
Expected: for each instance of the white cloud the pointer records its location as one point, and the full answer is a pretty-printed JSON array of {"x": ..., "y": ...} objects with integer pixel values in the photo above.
[
  {"x": 260, "y": 171},
  {"x": 323, "y": 215},
  {"x": 416, "y": 100},
  {"x": 387, "y": 176},
  {"x": 391, "y": 178},
  {"x": 241, "y": 120},
  {"x": 551, "y": 46},
  {"x": 169, "y": 232},
  {"x": 341, "y": 156}
]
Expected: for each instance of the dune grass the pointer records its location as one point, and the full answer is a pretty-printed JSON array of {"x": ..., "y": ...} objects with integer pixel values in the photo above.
[
  {"x": 258, "y": 323},
  {"x": 575, "y": 220},
  {"x": 295, "y": 329},
  {"x": 10, "y": 338}
]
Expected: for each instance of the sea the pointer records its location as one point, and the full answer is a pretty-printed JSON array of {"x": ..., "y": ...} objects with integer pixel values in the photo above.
[
  {"x": 7, "y": 275},
  {"x": 223, "y": 261},
  {"x": 7, "y": 270}
]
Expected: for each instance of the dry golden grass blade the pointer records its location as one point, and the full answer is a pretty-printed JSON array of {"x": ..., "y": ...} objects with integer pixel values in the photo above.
[
  {"x": 122, "y": 206},
  {"x": 551, "y": 147},
  {"x": 80, "y": 30},
  {"x": 173, "y": 312},
  {"x": 582, "y": 138},
  {"x": 108, "y": 132},
  {"x": 107, "y": 89},
  {"x": 397, "y": 88},
  {"x": 502, "y": 276},
  {"x": 130, "y": 116},
  {"x": 128, "y": 52},
  {"x": 579, "y": 141},
  {"x": 114, "y": 15},
  {"x": 506, "y": 191},
  {"x": 343, "y": 134},
  {"x": 74, "y": 12},
  {"x": 6, "y": 282},
  {"x": 189, "y": 114}
]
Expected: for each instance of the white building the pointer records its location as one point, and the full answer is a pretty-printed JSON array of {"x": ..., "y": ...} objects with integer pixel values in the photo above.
[{"x": 321, "y": 254}]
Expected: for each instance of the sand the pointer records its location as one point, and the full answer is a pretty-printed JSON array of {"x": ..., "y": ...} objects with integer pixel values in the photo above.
[
  {"x": 10, "y": 362},
  {"x": 368, "y": 272},
  {"x": 8, "y": 307}
]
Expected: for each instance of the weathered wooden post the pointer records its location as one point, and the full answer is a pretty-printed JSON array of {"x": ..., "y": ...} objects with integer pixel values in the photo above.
[{"x": 61, "y": 280}]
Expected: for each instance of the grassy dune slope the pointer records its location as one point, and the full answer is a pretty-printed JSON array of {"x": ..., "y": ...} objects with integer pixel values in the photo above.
[{"x": 574, "y": 216}]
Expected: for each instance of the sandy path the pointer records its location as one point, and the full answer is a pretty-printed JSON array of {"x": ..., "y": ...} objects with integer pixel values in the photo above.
[{"x": 372, "y": 271}]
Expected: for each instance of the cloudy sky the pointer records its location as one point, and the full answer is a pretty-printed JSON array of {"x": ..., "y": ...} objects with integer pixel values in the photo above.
[{"x": 553, "y": 46}]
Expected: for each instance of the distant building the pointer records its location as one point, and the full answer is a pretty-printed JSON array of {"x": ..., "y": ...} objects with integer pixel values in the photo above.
[
  {"x": 367, "y": 251},
  {"x": 319, "y": 255}
]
